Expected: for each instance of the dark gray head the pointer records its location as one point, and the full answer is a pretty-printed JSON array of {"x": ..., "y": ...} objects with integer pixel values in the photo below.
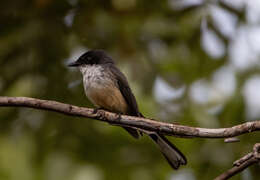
[{"x": 93, "y": 57}]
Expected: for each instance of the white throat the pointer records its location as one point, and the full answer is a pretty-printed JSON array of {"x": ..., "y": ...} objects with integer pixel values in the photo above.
[
  {"x": 94, "y": 76},
  {"x": 91, "y": 70}
]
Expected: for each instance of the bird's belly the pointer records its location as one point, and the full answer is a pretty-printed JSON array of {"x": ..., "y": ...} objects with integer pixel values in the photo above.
[{"x": 107, "y": 96}]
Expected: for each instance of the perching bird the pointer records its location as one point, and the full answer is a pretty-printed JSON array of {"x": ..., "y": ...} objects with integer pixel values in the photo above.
[{"x": 107, "y": 88}]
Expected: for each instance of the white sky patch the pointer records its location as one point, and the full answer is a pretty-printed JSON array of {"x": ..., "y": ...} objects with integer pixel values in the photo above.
[
  {"x": 245, "y": 48},
  {"x": 214, "y": 110},
  {"x": 69, "y": 18},
  {"x": 163, "y": 92},
  {"x": 211, "y": 43},
  {"x": 223, "y": 83},
  {"x": 221, "y": 87},
  {"x": 253, "y": 11},
  {"x": 183, "y": 174},
  {"x": 239, "y": 51},
  {"x": 158, "y": 49},
  {"x": 251, "y": 92},
  {"x": 199, "y": 91},
  {"x": 225, "y": 21},
  {"x": 254, "y": 39},
  {"x": 238, "y": 4}
]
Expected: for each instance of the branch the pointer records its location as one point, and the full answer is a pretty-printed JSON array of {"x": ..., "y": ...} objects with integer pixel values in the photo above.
[
  {"x": 145, "y": 124},
  {"x": 136, "y": 122},
  {"x": 242, "y": 163}
]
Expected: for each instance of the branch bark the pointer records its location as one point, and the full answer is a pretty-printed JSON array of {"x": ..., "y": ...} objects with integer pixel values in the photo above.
[
  {"x": 242, "y": 163},
  {"x": 136, "y": 122}
]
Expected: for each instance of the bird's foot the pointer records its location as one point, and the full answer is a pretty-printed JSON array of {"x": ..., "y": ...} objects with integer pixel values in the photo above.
[
  {"x": 118, "y": 118},
  {"x": 96, "y": 110}
]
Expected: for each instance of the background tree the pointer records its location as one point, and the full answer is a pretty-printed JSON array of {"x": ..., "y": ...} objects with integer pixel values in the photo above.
[{"x": 191, "y": 62}]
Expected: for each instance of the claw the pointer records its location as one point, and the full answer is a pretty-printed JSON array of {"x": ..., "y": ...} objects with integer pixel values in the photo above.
[
  {"x": 118, "y": 116},
  {"x": 96, "y": 110}
]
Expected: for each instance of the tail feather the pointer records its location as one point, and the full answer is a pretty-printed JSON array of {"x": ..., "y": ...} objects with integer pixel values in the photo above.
[
  {"x": 132, "y": 131},
  {"x": 171, "y": 153}
]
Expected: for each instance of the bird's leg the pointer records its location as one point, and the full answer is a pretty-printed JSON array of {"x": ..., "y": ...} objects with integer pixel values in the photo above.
[
  {"x": 96, "y": 110},
  {"x": 118, "y": 118}
]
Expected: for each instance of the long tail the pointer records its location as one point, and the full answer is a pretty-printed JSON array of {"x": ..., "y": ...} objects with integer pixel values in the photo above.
[{"x": 172, "y": 154}]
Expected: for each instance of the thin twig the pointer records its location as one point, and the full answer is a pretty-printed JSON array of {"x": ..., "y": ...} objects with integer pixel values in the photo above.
[
  {"x": 241, "y": 164},
  {"x": 243, "y": 159}
]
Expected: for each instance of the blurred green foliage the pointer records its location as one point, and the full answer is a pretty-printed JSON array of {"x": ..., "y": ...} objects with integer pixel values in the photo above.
[{"x": 148, "y": 39}]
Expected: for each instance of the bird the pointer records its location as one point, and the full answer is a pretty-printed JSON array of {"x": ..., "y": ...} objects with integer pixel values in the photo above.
[{"x": 107, "y": 88}]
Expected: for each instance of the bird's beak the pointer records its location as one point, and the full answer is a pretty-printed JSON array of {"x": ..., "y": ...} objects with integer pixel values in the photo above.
[{"x": 74, "y": 64}]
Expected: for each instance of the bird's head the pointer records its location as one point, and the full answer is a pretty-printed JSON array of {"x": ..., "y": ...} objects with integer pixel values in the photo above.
[{"x": 92, "y": 57}]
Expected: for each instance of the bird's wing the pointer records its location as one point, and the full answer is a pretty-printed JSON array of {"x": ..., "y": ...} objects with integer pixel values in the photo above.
[
  {"x": 128, "y": 96},
  {"x": 170, "y": 152},
  {"x": 126, "y": 91}
]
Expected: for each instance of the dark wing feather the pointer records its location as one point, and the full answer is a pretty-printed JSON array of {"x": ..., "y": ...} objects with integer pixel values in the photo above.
[
  {"x": 126, "y": 91},
  {"x": 128, "y": 95}
]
